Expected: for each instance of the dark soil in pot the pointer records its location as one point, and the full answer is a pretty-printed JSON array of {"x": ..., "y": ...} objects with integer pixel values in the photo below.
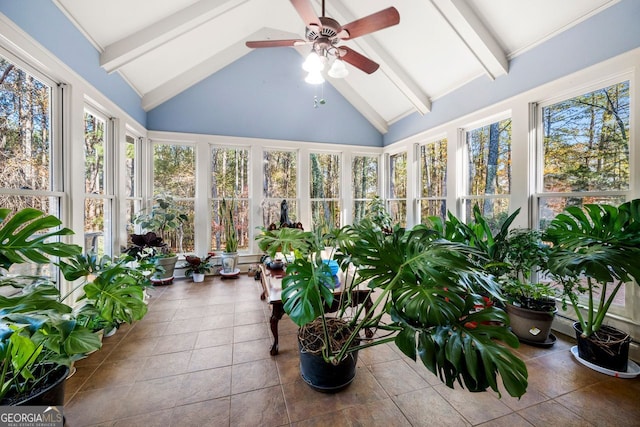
[
  {"x": 608, "y": 347},
  {"x": 315, "y": 371}
]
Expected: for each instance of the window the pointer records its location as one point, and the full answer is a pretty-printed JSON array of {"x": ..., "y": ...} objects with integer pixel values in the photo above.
[
  {"x": 432, "y": 172},
  {"x": 488, "y": 165},
  {"x": 132, "y": 179},
  {"x": 585, "y": 151},
  {"x": 230, "y": 180},
  {"x": 364, "y": 172},
  {"x": 398, "y": 188},
  {"x": 325, "y": 190},
  {"x": 98, "y": 186},
  {"x": 28, "y": 150},
  {"x": 279, "y": 183},
  {"x": 585, "y": 154},
  {"x": 174, "y": 174}
]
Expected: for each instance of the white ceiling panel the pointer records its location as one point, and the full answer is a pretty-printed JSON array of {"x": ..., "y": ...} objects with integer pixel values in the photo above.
[{"x": 163, "y": 47}]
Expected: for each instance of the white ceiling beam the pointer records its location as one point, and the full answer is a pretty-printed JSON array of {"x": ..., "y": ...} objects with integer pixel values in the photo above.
[
  {"x": 213, "y": 64},
  {"x": 475, "y": 35},
  {"x": 388, "y": 65},
  {"x": 125, "y": 50}
]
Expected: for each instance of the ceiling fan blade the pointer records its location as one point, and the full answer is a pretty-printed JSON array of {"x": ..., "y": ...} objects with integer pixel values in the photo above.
[
  {"x": 374, "y": 22},
  {"x": 275, "y": 43},
  {"x": 306, "y": 12},
  {"x": 358, "y": 60}
]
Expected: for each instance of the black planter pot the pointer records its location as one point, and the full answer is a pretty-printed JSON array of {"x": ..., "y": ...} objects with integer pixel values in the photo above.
[
  {"x": 325, "y": 377},
  {"x": 50, "y": 394},
  {"x": 608, "y": 348},
  {"x": 531, "y": 326}
]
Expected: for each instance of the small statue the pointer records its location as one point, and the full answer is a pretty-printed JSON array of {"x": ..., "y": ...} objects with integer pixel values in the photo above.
[{"x": 284, "y": 215}]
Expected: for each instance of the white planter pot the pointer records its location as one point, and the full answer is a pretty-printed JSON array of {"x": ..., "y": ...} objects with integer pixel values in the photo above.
[
  {"x": 198, "y": 277},
  {"x": 229, "y": 262}
]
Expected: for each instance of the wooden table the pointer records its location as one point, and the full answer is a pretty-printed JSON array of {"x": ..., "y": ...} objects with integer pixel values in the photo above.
[{"x": 272, "y": 293}]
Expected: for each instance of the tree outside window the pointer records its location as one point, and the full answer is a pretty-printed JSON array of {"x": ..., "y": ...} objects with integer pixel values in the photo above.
[
  {"x": 585, "y": 151},
  {"x": 325, "y": 190},
  {"x": 174, "y": 174},
  {"x": 365, "y": 185},
  {"x": 585, "y": 145},
  {"x": 488, "y": 154},
  {"x": 230, "y": 180},
  {"x": 398, "y": 188},
  {"x": 433, "y": 180},
  {"x": 280, "y": 180}
]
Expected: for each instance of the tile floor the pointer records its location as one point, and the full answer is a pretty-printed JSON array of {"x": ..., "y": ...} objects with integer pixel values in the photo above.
[{"x": 201, "y": 358}]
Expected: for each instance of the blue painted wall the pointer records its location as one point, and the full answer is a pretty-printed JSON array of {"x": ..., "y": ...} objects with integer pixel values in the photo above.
[
  {"x": 43, "y": 21},
  {"x": 263, "y": 95},
  {"x": 614, "y": 31}
]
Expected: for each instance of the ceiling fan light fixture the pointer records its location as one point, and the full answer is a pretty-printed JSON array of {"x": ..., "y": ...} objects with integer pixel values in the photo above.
[
  {"x": 314, "y": 78},
  {"x": 313, "y": 63},
  {"x": 338, "y": 70}
]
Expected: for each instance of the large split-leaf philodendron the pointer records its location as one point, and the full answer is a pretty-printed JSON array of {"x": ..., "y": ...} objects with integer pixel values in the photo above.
[
  {"x": 428, "y": 298},
  {"x": 600, "y": 245}
]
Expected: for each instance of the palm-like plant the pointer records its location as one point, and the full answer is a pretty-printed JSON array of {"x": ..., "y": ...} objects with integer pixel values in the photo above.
[
  {"x": 600, "y": 244},
  {"x": 429, "y": 287},
  {"x": 227, "y": 209}
]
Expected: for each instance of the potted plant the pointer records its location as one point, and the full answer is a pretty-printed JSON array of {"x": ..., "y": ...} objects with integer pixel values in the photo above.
[
  {"x": 596, "y": 251},
  {"x": 531, "y": 305},
  {"x": 427, "y": 286},
  {"x": 39, "y": 336},
  {"x": 197, "y": 267},
  {"x": 511, "y": 256},
  {"x": 230, "y": 253},
  {"x": 113, "y": 295},
  {"x": 165, "y": 217}
]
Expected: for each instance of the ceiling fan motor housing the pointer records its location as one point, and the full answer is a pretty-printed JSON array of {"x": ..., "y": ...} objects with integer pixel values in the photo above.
[{"x": 330, "y": 29}]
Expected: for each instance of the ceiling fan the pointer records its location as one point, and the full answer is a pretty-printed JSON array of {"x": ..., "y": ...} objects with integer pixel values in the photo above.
[{"x": 324, "y": 34}]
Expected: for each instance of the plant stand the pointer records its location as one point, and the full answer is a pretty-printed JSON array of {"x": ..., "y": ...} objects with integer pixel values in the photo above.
[{"x": 633, "y": 370}]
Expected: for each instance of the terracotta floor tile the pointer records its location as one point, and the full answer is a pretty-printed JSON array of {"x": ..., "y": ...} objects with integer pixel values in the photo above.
[
  {"x": 252, "y": 350},
  {"x": 553, "y": 414},
  {"x": 205, "y": 385},
  {"x": 164, "y": 365},
  {"x": 175, "y": 343},
  {"x": 94, "y": 406},
  {"x": 249, "y": 317},
  {"x": 396, "y": 377},
  {"x": 377, "y": 354},
  {"x": 511, "y": 420},
  {"x": 114, "y": 373},
  {"x": 208, "y": 413},
  {"x": 475, "y": 407},
  {"x": 149, "y": 396},
  {"x": 263, "y": 408},
  {"x": 303, "y": 402},
  {"x": 250, "y": 332},
  {"x": 254, "y": 375},
  {"x": 208, "y": 345},
  {"x": 211, "y": 357},
  {"x": 214, "y": 337},
  {"x": 425, "y": 407},
  {"x": 613, "y": 401},
  {"x": 151, "y": 419},
  {"x": 383, "y": 413}
]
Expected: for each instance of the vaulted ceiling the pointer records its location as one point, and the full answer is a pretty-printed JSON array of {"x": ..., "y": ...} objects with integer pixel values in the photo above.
[{"x": 162, "y": 48}]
